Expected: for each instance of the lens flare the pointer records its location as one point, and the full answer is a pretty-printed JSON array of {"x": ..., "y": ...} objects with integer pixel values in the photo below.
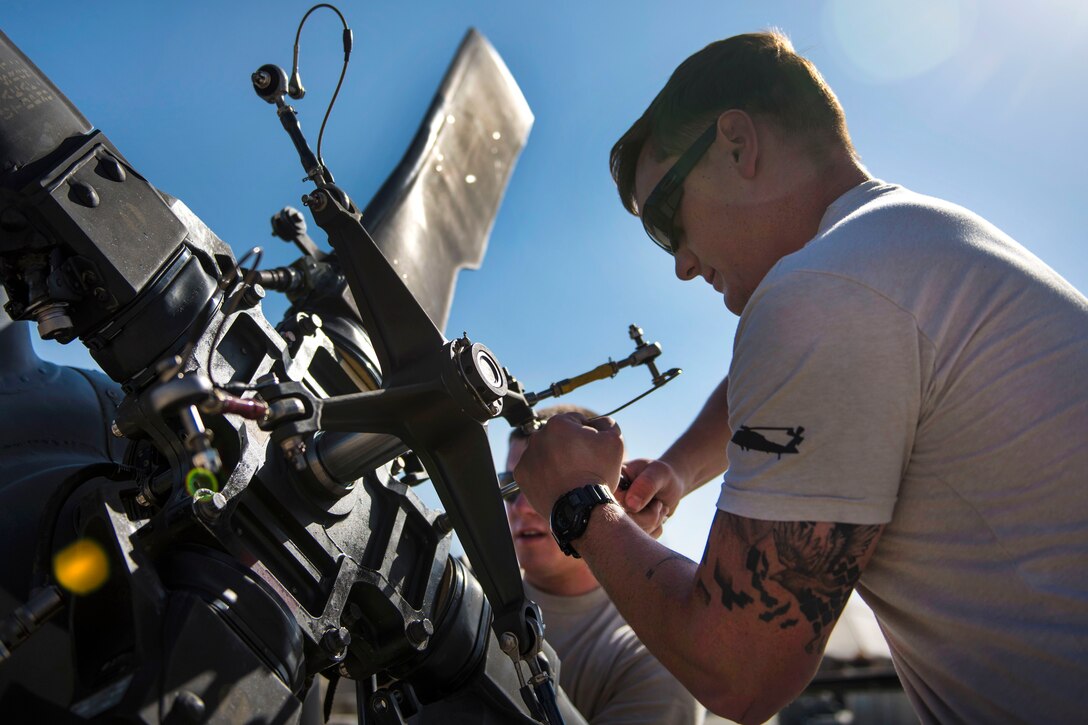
[
  {"x": 889, "y": 42},
  {"x": 82, "y": 566}
]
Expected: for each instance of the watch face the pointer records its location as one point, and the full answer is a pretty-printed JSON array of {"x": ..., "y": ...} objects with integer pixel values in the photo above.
[
  {"x": 570, "y": 514},
  {"x": 563, "y": 517}
]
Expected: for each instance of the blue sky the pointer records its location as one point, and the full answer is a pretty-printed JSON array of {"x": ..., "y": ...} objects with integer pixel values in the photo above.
[{"x": 981, "y": 103}]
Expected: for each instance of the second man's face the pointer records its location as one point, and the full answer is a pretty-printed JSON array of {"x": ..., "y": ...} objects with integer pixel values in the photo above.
[{"x": 537, "y": 551}]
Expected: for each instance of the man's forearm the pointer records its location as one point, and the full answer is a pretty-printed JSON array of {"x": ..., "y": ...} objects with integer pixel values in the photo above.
[
  {"x": 650, "y": 584},
  {"x": 700, "y": 455},
  {"x": 659, "y": 594}
]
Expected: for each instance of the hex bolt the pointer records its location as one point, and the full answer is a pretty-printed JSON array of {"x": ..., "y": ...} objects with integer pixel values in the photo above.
[
  {"x": 335, "y": 641},
  {"x": 53, "y": 321},
  {"x": 316, "y": 201},
  {"x": 209, "y": 505},
  {"x": 253, "y": 295},
  {"x": 294, "y": 450},
  {"x": 508, "y": 643},
  {"x": 419, "y": 631},
  {"x": 167, "y": 364},
  {"x": 443, "y": 524}
]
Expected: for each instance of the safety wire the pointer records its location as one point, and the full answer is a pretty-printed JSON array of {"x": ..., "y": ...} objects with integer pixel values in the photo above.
[
  {"x": 669, "y": 375},
  {"x": 511, "y": 488}
]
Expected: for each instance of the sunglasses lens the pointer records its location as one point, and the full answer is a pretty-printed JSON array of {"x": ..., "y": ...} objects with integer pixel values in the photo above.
[
  {"x": 660, "y": 214},
  {"x": 505, "y": 479},
  {"x": 659, "y": 237},
  {"x": 658, "y": 225}
]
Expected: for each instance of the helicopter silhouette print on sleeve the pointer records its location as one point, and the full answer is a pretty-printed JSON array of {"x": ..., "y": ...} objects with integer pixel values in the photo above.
[{"x": 748, "y": 439}]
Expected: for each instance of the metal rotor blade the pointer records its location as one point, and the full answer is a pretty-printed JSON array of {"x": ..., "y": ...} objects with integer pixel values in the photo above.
[{"x": 434, "y": 214}]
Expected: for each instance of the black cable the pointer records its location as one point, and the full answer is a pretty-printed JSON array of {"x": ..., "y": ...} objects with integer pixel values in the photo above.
[
  {"x": 335, "y": 93},
  {"x": 330, "y": 693},
  {"x": 343, "y": 70}
]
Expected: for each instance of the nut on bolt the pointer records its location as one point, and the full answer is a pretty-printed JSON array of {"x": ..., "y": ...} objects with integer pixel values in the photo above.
[
  {"x": 316, "y": 201},
  {"x": 443, "y": 524},
  {"x": 481, "y": 373},
  {"x": 209, "y": 505},
  {"x": 294, "y": 450},
  {"x": 167, "y": 365},
  {"x": 419, "y": 631},
  {"x": 335, "y": 641},
  {"x": 253, "y": 295},
  {"x": 508, "y": 643},
  {"x": 262, "y": 79}
]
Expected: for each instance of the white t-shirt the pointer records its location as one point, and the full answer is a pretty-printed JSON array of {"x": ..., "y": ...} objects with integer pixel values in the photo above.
[{"x": 914, "y": 366}]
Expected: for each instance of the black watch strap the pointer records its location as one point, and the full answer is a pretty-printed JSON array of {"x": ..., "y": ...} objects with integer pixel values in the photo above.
[{"x": 570, "y": 514}]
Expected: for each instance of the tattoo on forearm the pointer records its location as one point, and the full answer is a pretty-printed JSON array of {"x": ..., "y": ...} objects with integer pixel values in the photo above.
[
  {"x": 818, "y": 565},
  {"x": 758, "y": 565},
  {"x": 821, "y": 570},
  {"x": 775, "y": 613},
  {"x": 730, "y": 597},
  {"x": 653, "y": 569}
]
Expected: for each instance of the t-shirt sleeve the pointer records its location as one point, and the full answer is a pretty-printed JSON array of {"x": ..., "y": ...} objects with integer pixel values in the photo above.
[{"x": 824, "y": 398}]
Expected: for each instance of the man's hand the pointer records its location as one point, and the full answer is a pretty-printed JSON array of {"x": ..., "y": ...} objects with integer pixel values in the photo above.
[
  {"x": 569, "y": 452},
  {"x": 653, "y": 495}
]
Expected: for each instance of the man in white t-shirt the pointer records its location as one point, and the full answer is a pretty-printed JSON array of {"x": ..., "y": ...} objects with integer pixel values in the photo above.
[
  {"x": 607, "y": 673},
  {"x": 906, "y": 413}
]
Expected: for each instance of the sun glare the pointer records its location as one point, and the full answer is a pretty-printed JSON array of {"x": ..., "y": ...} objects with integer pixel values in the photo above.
[{"x": 890, "y": 42}]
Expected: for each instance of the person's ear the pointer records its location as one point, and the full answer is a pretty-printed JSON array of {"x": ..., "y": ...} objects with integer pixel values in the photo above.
[{"x": 737, "y": 133}]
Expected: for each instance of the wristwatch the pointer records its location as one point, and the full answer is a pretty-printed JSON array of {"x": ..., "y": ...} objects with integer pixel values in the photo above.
[{"x": 570, "y": 514}]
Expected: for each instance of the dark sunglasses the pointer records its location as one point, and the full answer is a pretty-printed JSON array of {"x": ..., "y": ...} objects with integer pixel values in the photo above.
[
  {"x": 659, "y": 211},
  {"x": 509, "y": 493}
]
